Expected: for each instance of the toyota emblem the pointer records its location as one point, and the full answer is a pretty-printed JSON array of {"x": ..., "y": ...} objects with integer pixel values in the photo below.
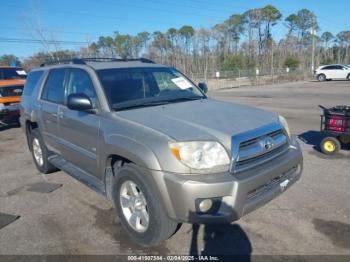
[{"x": 267, "y": 143}]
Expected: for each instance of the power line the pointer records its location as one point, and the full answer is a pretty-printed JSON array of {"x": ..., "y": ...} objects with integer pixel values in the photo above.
[
  {"x": 148, "y": 20},
  {"x": 90, "y": 15},
  {"x": 160, "y": 10},
  {"x": 4, "y": 40},
  {"x": 38, "y": 41},
  {"x": 47, "y": 30},
  {"x": 44, "y": 30}
]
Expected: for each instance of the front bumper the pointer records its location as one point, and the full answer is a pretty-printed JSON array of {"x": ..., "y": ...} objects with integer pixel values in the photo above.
[
  {"x": 238, "y": 194},
  {"x": 9, "y": 113}
]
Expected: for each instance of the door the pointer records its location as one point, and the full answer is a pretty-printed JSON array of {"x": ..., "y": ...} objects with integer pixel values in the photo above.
[
  {"x": 80, "y": 129},
  {"x": 329, "y": 71},
  {"x": 339, "y": 72},
  {"x": 52, "y": 97}
]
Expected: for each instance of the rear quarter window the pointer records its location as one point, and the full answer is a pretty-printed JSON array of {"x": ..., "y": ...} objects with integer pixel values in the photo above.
[
  {"x": 32, "y": 81},
  {"x": 54, "y": 87}
]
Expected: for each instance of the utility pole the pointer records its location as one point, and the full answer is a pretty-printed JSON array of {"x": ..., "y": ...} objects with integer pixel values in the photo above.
[
  {"x": 87, "y": 44},
  {"x": 272, "y": 72},
  {"x": 313, "y": 46}
]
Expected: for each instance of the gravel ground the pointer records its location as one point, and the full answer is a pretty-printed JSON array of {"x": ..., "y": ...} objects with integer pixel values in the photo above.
[{"x": 312, "y": 217}]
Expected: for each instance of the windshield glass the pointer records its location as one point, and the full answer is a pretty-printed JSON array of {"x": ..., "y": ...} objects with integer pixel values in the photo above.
[
  {"x": 12, "y": 73},
  {"x": 133, "y": 87}
]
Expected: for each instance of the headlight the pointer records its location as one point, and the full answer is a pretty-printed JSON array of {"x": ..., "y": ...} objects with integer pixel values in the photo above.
[
  {"x": 284, "y": 123},
  {"x": 200, "y": 154}
]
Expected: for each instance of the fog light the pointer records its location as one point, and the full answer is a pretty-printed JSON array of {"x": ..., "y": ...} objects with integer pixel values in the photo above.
[{"x": 205, "y": 205}]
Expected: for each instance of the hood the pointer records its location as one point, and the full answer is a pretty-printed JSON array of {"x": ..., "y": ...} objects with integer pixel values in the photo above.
[{"x": 205, "y": 119}]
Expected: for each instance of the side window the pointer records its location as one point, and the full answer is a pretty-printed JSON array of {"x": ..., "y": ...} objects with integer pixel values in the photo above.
[
  {"x": 328, "y": 68},
  {"x": 32, "y": 81},
  {"x": 338, "y": 67},
  {"x": 79, "y": 82},
  {"x": 54, "y": 86}
]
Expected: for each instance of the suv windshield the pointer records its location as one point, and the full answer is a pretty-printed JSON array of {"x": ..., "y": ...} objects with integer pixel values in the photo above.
[
  {"x": 12, "y": 73},
  {"x": 137, "y": 87}
]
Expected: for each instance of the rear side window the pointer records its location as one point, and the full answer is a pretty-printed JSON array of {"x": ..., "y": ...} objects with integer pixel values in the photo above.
[
  {"x": 54, "y": 86},
  {"x": 32, "y": 81},
  {"x": 333, "y": 67}
]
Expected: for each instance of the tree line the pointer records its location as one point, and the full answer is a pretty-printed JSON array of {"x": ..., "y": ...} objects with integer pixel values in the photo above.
[{"x": 242, "y": 41}]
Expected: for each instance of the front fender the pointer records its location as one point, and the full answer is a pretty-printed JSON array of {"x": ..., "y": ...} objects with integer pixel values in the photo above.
[{"x": 135, "y": 151}]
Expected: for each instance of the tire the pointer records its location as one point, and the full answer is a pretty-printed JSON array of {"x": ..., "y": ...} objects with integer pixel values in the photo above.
[
  {"x": 330, "y": 145},
  {"x": 159, "y": 226},
  {"x": 348, "y": 77},
  {"x": 321, "y": 77},
  {"x": 344, "y": 140},
  {"x": 37, "y": 148}
]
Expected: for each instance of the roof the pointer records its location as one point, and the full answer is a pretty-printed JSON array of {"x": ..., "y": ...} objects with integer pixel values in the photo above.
[
  {"x": 333, "y": 65},
  {"x": 105, "y": 63},
  {"x": 128, "y": 64}
]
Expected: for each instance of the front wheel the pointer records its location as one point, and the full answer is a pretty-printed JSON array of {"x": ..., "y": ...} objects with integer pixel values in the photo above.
[
  {"x": 139, "y": 208},
  {"x": 330, "y": 145},
  {"x": 348, "y": 77},
  {"x": 321, "y": 77}
]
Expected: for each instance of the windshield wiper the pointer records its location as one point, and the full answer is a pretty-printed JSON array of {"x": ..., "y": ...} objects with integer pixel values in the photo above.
[
  {"x": 156, "y": 103},
  {"x": 138, "y": 105},
  {"x": 190, "y": 98}
]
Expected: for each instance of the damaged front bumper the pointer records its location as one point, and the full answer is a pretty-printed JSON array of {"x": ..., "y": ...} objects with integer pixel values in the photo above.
[
  {"x": 232, "y": 196},
  {"x": 9, "y": 113}
]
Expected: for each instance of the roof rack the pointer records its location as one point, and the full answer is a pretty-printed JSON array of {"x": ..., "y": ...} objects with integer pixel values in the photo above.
[{"x": 82, "y": 61}]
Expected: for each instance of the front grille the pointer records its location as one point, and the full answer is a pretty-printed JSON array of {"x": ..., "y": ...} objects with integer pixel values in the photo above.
[
  {"x": 258, "y": 148},
  {"x": 8, "y": 91},
  {"x": 254, "y": 140},
  {"x": 254, "y": 161}
]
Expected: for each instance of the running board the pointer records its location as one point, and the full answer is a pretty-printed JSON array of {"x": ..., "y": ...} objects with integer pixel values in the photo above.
[{"x": 80, "y": 175}]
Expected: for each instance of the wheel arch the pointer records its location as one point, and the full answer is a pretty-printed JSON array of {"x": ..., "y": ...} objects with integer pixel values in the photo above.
[
  {"x": 121, "y": 150},
  {"x": 29, "y": 126},
  {"x": 128, "y": 149},
  {"x": 323, "y": 75}
]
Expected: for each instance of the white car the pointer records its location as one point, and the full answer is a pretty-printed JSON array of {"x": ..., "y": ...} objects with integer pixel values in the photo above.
[{"x": 329, "y": 72}]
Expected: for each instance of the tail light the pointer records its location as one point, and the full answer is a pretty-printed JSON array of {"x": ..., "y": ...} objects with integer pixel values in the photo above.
[{"x": 337, "y": 123}]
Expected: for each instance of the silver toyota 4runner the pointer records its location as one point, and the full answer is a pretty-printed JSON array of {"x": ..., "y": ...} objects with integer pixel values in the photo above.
[{"x": 148, "y": 138}]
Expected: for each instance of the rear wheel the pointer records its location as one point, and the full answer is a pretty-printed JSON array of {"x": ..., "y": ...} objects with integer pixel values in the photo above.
[
  {"x": 40, "y": 153},
  {"x": 139, "y": 208},
  {"x": 345, "y": 140},
  {"x": 330, "y": 145},
  {"x": 321, "y": 77}
]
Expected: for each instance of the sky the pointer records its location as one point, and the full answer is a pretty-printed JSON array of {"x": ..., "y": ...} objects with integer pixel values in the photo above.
[{"x": 79, "y": 21}]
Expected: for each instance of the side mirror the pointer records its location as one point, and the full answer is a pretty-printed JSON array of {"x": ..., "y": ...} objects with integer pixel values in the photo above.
[
  {"x": 79, "y": 102},
  {"x": 203, "y": 87}
]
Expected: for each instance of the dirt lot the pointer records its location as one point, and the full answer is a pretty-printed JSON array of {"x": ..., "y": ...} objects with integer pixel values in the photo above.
[{"x": 313, "y": 217}]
